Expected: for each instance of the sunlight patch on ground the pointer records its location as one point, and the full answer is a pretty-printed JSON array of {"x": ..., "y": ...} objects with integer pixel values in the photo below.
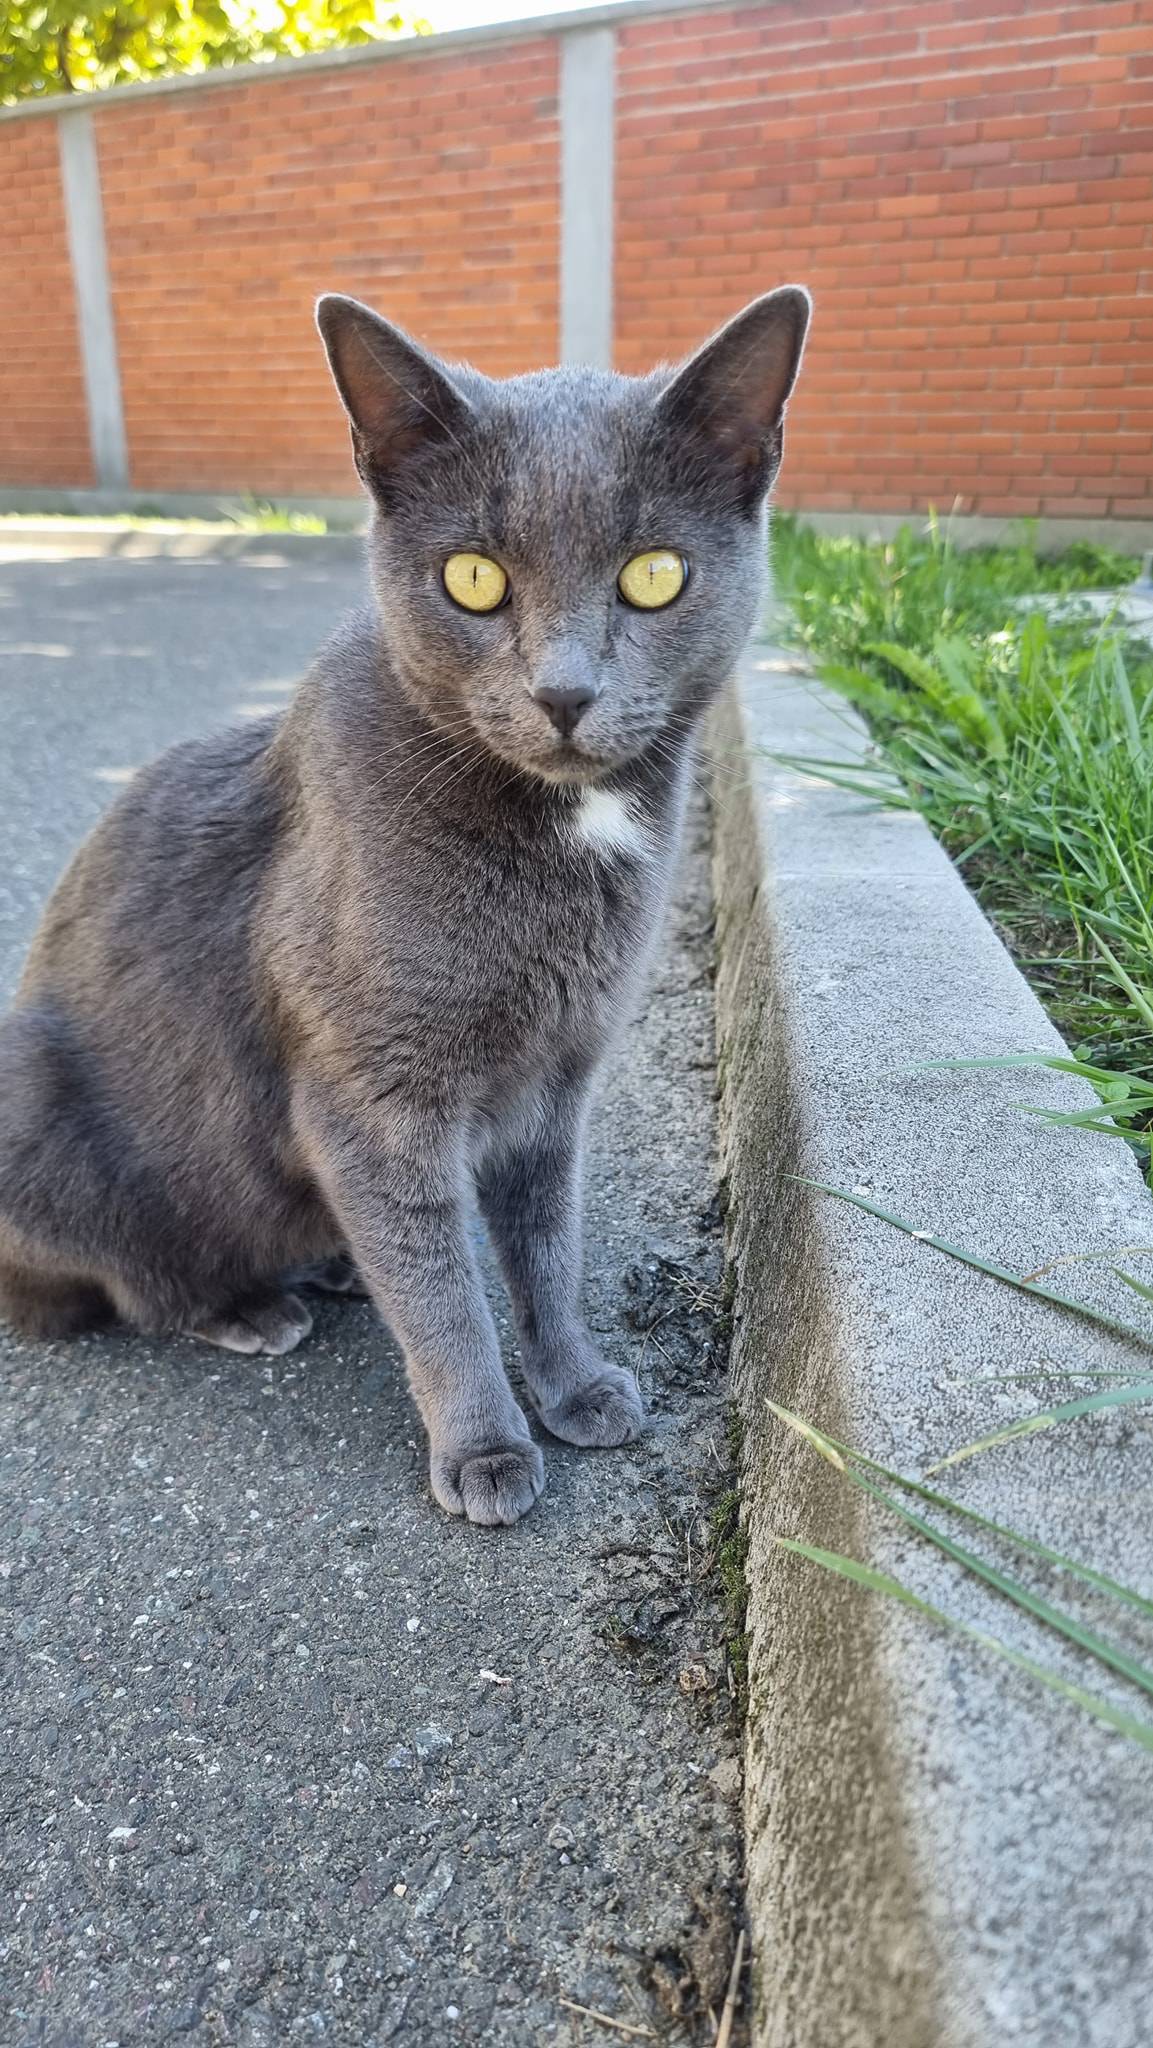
[{"x": 52, "y": 650}]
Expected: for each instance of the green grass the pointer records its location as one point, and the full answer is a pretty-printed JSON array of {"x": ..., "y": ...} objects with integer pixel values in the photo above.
[
  {"x": 1029, "y": 1283},
  {"x": 1006, "y": 1560},
  {"x": 864, "y": 1473},
  {"x": 845, "y": 592},
  {"x": 1025, "y": 737},
  {"x": 257, "y": 515},
  {"x": 999, "y": 1542}
]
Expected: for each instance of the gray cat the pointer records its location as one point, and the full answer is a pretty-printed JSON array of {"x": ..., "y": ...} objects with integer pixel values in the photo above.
[{"x": 312, "y": 985}]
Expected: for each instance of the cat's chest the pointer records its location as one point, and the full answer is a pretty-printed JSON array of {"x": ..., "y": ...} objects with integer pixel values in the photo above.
[
  {"x": 593, "y": 897},
  {"x": 560, "y": 934},
  {"x": 610, "y": 827}
]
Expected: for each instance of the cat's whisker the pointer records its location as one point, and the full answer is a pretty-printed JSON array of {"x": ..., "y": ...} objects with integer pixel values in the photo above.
[
  {"x": 443, "y": 729},
  {"x": 470, "y": 762},
  {"x": 446, "y": 745},
  {"x": 423, "y": 750},
  {"x": 667, "y": 751}
]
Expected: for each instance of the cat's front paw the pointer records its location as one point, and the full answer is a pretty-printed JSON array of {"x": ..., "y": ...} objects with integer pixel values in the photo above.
[
  {"x": 603, "y": 1410},
  {"x": 494, "y": 1485}
]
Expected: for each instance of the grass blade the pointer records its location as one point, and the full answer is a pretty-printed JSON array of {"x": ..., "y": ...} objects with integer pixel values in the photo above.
[
  {"x": 865, "y": 1575},
  {"x": 841, "y": 775},
  {"x": 829, "y": 1447},
  {"x": 1012, "y": 1589},
  {"x": 1142, "y": 1003},
  {"x": 1138, "y": 1286},
  {"x": 1047, "y": 1418},
  {"x": 1137, "y": 1731},
  {"x": 1090, "y": 1119},
  {"x": 1056, "y": 1372},
  {"x": 816, "y": 1438},
  {"x": 1059, "y": 1064},
  {"x": 980, "y": 1265}
]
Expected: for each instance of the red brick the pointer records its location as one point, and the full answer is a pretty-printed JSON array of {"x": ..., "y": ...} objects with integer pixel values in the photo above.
[
  {"x": 965, "y": 183},
  {"x": 43, "y": 416},
  {"x": 395, "y": 204}
]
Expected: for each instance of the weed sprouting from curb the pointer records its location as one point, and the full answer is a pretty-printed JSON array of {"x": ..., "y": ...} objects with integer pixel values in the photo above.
[
  {"x": 1026, "y": 1283},
  {"x": 859, "y": 1470}
]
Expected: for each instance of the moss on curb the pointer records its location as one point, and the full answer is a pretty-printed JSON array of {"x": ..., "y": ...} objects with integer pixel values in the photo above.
[{"x": 730, "y": 1560}]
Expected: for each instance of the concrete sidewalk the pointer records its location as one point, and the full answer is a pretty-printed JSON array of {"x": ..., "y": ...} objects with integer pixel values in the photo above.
[{"x": 285, "y": 1754}]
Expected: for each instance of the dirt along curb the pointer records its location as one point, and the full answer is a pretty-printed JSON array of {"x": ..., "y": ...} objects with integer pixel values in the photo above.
[{"x": 941, "y": 1850}]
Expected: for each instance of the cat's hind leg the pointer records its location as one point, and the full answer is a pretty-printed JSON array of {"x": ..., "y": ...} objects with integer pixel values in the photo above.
[
  {"x": 265, "y": 1323},
  {"x": 45, "y": 1305},
  {"x": 338, "y": 1275}
]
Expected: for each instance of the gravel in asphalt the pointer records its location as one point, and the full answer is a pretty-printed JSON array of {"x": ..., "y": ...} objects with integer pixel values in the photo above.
[{"x": 285, "y": 1753}]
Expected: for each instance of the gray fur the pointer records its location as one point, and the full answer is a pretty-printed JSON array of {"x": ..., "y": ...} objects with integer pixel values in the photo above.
[{"x": 311, "y": 986}]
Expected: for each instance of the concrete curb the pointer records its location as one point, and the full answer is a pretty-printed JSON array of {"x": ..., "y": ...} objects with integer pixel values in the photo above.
[
  {"x": 942, "y": 1854},
  {"x": 54, "y": 542},
  {"x": 980, "y": 529}
]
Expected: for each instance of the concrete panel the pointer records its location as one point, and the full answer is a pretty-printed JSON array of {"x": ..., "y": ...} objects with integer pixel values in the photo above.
[
  {"x": 586, "y": 235},
  {"x": 80, "y": 174}
]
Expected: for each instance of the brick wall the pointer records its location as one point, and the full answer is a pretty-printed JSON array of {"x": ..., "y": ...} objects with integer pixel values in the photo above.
[
  {"x": 427, "y": 186},
  {"x": 43, "y": 421},
  {"x": 967, "y": 185}
]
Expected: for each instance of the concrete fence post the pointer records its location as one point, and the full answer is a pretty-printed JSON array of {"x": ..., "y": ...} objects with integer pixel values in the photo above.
[
  {"x": 587, "y": 64},
  {"x": 84, "y": 213}
]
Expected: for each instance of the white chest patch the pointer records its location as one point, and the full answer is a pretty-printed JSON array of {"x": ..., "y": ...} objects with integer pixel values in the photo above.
[{"x": 608, "y": 823}]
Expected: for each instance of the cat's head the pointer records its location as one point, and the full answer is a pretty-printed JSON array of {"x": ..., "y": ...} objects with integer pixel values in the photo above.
[{"x": 567, "y": 564}]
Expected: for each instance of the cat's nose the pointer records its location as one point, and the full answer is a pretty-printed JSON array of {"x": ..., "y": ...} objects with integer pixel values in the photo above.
[{"x": 565, "y": 703}]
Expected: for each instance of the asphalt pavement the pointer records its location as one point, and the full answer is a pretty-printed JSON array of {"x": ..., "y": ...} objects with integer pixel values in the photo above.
[{"x": 286, "y": 1754}]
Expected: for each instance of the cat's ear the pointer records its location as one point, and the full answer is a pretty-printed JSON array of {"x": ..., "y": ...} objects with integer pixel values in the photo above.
[
  {"x": 730, "y": 397},
  {"x": 396, "y": 397}
]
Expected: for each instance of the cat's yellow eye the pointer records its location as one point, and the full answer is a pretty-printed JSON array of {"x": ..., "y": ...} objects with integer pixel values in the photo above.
[
  {"x": 475, "y": 582},
  {"x": 652, "y": 580}
]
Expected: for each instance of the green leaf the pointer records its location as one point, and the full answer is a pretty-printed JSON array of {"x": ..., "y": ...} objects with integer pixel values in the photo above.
[
  {"x": 820, "y": 1443},
  {"x": 1137, "y": 996},
  {"x": 1059, "y": 1063},
  {"x": 980, "y": 1265},
  {"x": 1137, "y": 1731},
  {"x": 1138, "y": 1286},
  {"x": 104, "y": 45},
  {"x": 1022, "y": 1596},
  {"x": 829, "y": 1447},
  {"x": 1048, "y": 1418}
]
